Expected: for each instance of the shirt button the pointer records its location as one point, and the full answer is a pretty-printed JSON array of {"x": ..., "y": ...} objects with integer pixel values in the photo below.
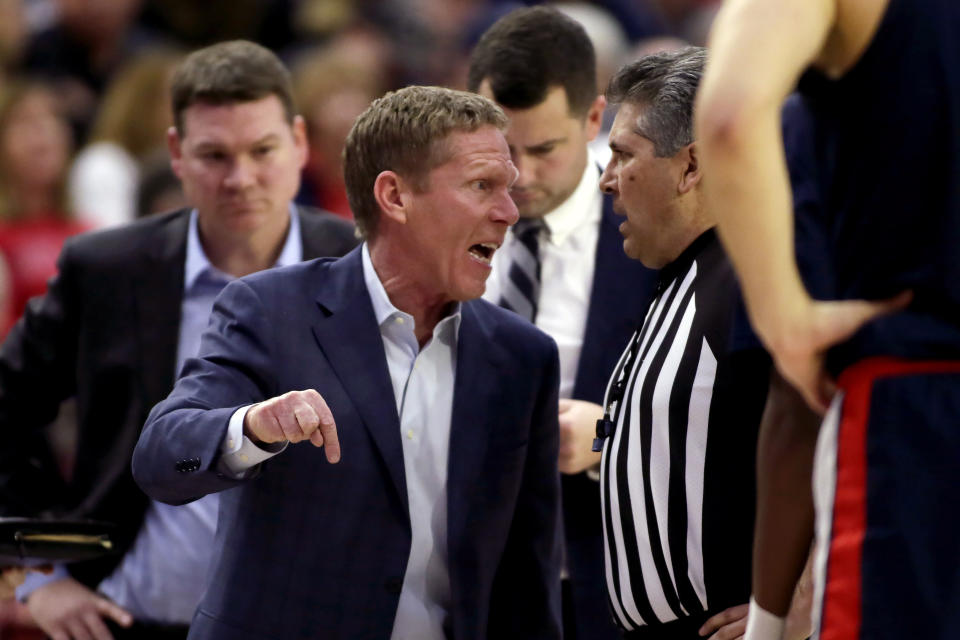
[
  {"x": 244, "y": 457},
  {"x": 410, "y": 433},
  {"x": 399, "y": 320}
]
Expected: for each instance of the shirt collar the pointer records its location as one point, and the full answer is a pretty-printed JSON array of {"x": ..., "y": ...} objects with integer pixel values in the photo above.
[
  {"x": 682, "y": 262},
  {"x": 383, "y": 309},
  {"x": 582, "y": 205},
  {"x": 197, "y": 262}
]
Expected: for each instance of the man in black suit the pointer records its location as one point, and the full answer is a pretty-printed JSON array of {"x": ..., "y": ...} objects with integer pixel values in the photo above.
[
  {"x": 124, "y": 313},
  {"x": 540, "y": 67}
]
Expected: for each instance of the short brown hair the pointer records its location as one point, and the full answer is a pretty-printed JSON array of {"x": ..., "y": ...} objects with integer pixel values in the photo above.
[
  {"x": 404, "y": 132},
  {"x": 528, "y": 52},
  {"x": 227, "y": 72}
]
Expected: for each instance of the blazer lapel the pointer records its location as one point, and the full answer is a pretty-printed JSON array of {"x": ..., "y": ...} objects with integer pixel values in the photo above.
[
  {"x": 350, "y": 340},
  {"x": 478, "y": 358},
  {"x": 158, "y": 294}
]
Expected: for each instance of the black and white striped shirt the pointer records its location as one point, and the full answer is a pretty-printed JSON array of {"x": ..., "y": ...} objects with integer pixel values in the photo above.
[{"x": 677, "y": 474}]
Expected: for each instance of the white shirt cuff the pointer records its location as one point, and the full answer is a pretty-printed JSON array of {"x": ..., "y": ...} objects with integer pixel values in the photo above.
[
  {"x": 238, "y": 453},
  {"x": 34, "y": 580}
]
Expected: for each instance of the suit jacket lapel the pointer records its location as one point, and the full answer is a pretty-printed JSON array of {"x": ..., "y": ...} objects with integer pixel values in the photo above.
[
  {"x": 159, "y": 293},
  {"x": 478, "y": 358},
  {"x": 350, "y": 340}
]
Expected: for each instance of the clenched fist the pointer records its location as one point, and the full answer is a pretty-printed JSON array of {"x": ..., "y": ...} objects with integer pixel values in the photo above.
[{"x": 295, "y": 416}]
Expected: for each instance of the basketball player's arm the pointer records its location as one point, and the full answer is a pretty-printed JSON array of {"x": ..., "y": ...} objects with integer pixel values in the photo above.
[
  {"x": 759, "y": 48},
  {"x": 784, "y": 522}
]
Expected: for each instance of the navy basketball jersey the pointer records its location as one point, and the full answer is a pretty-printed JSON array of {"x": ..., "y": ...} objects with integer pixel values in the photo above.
[{"x": 889, "y": 129}]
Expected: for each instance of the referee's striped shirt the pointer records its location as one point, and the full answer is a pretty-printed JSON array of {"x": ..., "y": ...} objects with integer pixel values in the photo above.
[{"x": 677, "y": 475}]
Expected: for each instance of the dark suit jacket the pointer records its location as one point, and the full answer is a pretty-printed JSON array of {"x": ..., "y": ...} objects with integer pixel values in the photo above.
[
  {"x": 622, "y": 290},
  {"x": 307, "y": 549},
  {"x": 106, "y": 332}
]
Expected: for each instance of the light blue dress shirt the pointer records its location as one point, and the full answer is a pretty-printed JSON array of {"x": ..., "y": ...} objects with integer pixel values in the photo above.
[{"x": 162, "y": 576}]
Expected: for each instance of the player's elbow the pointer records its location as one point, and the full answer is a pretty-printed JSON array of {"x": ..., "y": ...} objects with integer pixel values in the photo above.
[{"x": 722, "y": 120}]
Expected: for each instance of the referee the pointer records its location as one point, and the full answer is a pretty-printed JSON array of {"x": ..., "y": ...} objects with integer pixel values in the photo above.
[{"x": 683, "y": 407}]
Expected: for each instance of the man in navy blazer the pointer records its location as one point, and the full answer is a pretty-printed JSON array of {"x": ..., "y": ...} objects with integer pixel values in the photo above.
[
  {"x": 433, "y": 511},
  {"x": 592, "y": 296}
]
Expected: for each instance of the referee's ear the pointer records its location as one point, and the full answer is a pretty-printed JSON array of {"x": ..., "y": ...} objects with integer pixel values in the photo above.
[{"x": 689, "y": 159}]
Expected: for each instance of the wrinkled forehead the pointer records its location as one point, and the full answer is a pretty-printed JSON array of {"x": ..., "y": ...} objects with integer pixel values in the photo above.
[
  {"x": 482, "y": 147},
  {"x": 484, "y": 140}
]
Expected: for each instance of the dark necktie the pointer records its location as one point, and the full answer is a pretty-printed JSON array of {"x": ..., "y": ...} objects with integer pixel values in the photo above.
[{"x": 521, "y": 290}]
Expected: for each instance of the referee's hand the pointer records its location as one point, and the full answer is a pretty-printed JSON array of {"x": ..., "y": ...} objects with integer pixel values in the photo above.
[{"x": 729, "y": 624}]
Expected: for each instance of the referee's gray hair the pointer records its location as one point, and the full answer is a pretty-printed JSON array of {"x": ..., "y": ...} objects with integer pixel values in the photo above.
[{"x": 663, "y": 85}]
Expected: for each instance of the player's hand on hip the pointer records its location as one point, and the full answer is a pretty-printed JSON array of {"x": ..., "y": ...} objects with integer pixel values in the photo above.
[
  {"x": 295, "y": 416},
  {"x": 800, "y": 351},
  {"x": 67, "y": 610},
  {"x": 729, "y": 624},
  {"x": 578, "y": 427}
]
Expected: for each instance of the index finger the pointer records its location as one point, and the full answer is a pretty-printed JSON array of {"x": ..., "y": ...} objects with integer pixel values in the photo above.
[{"x": 328, "y": 426}]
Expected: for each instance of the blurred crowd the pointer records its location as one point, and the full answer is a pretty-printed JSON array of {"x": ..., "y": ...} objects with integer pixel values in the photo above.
[{"x": 84, "y": 106}]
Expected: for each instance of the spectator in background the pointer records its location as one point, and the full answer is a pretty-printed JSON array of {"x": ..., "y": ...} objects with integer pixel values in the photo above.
[
  {"x": 125, "y": 311},
  {"x": 13, "y": 34},
  {"x": 195, "y": 24},
  {"x": 35, "y": 148},
  {"x": 332, "y": 90},
  {"x": 131, "y": 122},
  {"x": 81, "y": 51},
  {"x": 158, "y": 189}
]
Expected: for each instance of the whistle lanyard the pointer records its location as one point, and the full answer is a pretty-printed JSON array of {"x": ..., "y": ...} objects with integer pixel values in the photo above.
[
  {"x": 621, "y": 375},
  {"x": 618, "y": 387}
]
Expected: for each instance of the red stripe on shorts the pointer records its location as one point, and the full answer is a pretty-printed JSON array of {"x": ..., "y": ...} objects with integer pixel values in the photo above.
[{"x": 841, "y": 603}]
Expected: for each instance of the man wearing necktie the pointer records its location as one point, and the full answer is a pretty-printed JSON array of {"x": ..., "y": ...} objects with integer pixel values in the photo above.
[{"x": 562, "y": 265}]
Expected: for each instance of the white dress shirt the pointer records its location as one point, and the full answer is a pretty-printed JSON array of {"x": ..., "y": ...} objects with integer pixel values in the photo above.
[
  {"x": 567, "y": 261},
  {"x": 423, "y": 382}
]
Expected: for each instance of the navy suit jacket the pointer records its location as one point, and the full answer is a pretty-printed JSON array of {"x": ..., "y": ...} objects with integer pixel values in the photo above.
[{"x": 306, "y": 549}]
